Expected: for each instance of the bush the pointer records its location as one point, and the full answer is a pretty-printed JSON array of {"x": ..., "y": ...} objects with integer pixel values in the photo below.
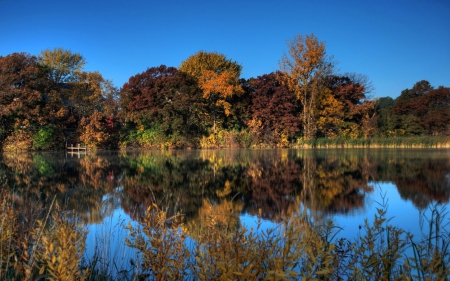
[{"x": 44, "y": 139}]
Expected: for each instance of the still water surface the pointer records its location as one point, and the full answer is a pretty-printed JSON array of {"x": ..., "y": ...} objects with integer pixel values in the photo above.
[{"x": 109, "y": 189}]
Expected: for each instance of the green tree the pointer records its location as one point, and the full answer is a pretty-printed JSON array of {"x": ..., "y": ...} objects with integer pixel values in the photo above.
[
  {"x": 44, "y": 138},
  {"x": 305, "y": 66},
  {"x": 383, "y": 108}
]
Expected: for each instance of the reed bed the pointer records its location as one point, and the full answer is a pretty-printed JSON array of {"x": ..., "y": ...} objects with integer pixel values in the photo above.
[
  {"x": 169, "y": 249},
  {"x": 392, "y": 142}
]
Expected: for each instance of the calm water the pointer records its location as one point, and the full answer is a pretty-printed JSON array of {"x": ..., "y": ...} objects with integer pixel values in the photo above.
[{"x": 108, "y": 189}]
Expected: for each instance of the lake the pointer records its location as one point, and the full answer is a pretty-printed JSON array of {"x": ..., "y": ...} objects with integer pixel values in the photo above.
[{"x": 107, "y": 189}]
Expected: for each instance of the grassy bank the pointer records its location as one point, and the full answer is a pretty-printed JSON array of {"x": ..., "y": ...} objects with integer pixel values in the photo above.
[
  {"x": 50, "y": 245},
  {"x": 393, "y": 142}
]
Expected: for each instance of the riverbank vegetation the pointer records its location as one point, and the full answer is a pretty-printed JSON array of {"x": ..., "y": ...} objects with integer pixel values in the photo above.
[
  {"x": 49, "y": 244},
  {"x": 206, "y": 196},
  {"x": 378, "y": 142},
  {"x": 49, "y": 101}
]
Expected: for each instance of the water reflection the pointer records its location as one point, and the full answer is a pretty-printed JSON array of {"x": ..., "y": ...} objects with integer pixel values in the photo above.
[{"x": 273, "y": 182}]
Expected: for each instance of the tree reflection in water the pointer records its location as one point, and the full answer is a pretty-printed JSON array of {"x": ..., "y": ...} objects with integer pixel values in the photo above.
[{"x": 272, "y": 182}]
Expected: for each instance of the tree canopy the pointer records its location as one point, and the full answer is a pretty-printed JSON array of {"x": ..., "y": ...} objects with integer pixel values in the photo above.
[
  {"x": 63, "y": 65},
  {"x": 213, "y": 61},
  {"x": 305, "y": 66},
  {"x": 162, "y": 102},
  {"x": 50, "y": 100}
]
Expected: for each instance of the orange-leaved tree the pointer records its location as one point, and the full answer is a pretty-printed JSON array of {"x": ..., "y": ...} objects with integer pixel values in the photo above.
[
  {"x": 217, "y": 88},
  {"x": 218, "y": 77},
  {"x": 306, "y": 65}
]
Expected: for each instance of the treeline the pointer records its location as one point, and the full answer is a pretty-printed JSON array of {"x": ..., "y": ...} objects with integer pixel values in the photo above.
[{"x": 50, "y": 101}]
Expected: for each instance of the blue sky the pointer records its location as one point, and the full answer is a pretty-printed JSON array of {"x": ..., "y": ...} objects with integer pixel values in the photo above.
[{"x": 394, "y": 42}]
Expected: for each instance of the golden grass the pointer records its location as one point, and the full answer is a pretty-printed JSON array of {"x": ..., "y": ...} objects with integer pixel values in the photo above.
[{"x": 222, "y": 249}]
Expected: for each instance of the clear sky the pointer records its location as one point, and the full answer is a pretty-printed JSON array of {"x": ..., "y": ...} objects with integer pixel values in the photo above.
[{"x": 394, "y": 42}]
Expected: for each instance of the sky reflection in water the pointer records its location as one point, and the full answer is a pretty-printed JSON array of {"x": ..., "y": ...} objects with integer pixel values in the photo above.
[{"x": 109, "y": 189}]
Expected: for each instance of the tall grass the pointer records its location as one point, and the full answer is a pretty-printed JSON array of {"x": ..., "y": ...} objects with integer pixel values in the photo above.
[
  {"x": 376, "y": 142},
  {"x": 169, "y": 249},
  {"x": 52, "y": 249}
]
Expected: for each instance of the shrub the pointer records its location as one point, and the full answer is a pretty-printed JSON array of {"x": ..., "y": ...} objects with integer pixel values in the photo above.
[{"x": 44, "y": 138}]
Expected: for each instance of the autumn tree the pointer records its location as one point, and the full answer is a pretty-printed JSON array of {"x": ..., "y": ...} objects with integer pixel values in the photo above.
[
  {"x": 21, "y": 84},
  {"x": 218, "y": 77},
  {"x": 217, "y": 89},
  {"x": 329, "y": 114},
  {"x": 201, "y": 61},
  {"x": 74, "y": 90},
  {"x": 85, "y": 95},
  {"x": 421, "y": 110},
  {"x": 437, "y": 120},
  {"x": 63, "y": 65},
  {"x": 272, "y": 111},
  {"x": 162, "y": 103},
  {"x": 74, "y": 93},
  {"x": 305, "y": 65},
  {"x": 110, "y": 99},
  {"x": 93, "y": 131},
  {"x": 356, "y": 113}
]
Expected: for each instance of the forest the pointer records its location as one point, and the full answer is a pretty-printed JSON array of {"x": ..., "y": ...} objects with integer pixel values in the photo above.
[{"x": 48, "y": 101}]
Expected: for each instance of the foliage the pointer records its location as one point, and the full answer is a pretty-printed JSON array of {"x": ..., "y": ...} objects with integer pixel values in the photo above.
[
  {"x": 420, "y": 110},
  {"x": 8, "y": 230},
  {"x": 94, "y": 133},
  {"x": 430, "y": 259},
  {"x": 44, "y": 138},
  {"x": 377, "y": 253},
  {"x": 202, "y": 61},
  {"x": 272, "y": 111},
  {"x": 330, "y": 114},
  {"x": 53, "y": 249},
  {"x": 224, "y": 85},
  {"x": 163, "y": 99},
  {"x": 51, "y": 100},
  {"x": 227, "y": 139},
  {"x": 218, "y": 79},
  {"x": 161, "y": 243},
  {"x": 19, "y": 140},
  {"x": 305, "y": 66},
  {"x": 85, "y": 95},
  {"x": 63, "y": 65},
  {"x": 59, "y": 248},
  {"x": 21, "y": 86},
  {"x": 356, "y": 116}
]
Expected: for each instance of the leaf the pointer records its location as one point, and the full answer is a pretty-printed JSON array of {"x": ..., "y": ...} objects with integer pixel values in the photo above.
[
  {"x": 323, "y": 271},
  {"x": 42, "y": 270}
]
